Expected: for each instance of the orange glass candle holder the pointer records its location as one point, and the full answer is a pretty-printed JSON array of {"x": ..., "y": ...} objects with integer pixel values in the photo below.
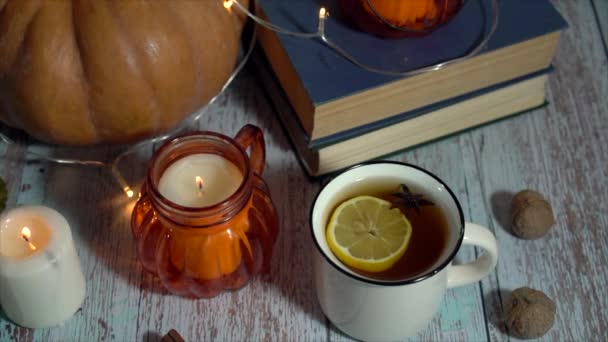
[
  {"x": 396, "y": 19},
  {"x": 201, "y": 251}
]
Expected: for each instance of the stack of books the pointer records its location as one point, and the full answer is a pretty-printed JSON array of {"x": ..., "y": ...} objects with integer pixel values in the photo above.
[{"x": 338, "y": 114}]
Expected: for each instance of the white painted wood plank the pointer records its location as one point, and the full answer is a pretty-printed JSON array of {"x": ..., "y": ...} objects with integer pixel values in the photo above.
[
  {"x": 280, "y": 306},
  {"x": 124, "y": 303},
  {"x": 561, "y": 152},
  {"x": 90, "y": 201},
  {"x": 11, "y": 165},
  {"x": 601, "y": 11}
]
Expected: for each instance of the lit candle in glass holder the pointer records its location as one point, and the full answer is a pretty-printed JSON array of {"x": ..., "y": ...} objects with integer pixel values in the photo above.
[
  {"x": 205, "y": 222},
  {"x": 41, "y": 282}
]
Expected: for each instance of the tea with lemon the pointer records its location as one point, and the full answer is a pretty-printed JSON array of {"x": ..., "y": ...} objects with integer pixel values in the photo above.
[{"x": 386, "y": 230}]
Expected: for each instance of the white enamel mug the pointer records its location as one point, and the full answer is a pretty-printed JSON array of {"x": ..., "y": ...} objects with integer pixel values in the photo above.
[{"x": 375, "y": 310}]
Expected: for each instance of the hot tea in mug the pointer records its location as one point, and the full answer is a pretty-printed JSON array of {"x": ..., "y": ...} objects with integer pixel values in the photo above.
[{"x": 429, "y": 227}]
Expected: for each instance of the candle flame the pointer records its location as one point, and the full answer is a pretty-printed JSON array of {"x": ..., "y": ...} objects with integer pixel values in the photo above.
[
  {"x": 227, "y": 4},
  {"x": 199, "y": 183},
  {"x": 26, "y": 234},
  {"x": 322, "y": 13}
]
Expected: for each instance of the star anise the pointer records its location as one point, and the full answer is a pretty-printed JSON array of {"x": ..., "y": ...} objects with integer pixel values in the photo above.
[{"x": 410, "y": 200}]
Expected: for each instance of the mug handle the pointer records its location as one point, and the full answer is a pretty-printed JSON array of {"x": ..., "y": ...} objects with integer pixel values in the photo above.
[
  {"x": 473, "y": 271},
  {"x": 252, "y": 136}
]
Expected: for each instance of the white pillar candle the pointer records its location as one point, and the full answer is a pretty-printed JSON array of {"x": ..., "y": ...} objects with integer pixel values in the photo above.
[
  {"x": 200, "y": 180},
  {"x": 41, "y": 282}
]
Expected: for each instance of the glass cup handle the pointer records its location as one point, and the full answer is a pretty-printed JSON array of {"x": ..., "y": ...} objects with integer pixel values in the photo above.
[
  {"x": 473, "y": 271},
  {"x": 252, "y": 137}
]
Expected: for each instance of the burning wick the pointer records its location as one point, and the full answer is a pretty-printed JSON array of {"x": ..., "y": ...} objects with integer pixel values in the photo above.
[
  {"x": 227, "y": 4},
  {"x": 26, "y": 234},
  {"x": 199, "y": 183}
]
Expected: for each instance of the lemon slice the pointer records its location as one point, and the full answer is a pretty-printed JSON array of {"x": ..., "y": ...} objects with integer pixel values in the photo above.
[{"x": 365, "y": 233}]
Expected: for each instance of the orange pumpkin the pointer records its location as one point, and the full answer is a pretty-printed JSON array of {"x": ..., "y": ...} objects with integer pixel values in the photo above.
[
  {"x": 82, "y": 72},
  {"x": 395, "y": 19}
]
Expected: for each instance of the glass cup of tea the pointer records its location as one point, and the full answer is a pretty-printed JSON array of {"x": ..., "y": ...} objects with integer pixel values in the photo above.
[{"x": 402, "y": 300}]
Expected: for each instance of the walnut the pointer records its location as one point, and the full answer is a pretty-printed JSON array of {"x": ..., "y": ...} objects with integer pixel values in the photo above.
[
  {"x": 529, "y": 313},
  {"x": 531, "y": 215}
]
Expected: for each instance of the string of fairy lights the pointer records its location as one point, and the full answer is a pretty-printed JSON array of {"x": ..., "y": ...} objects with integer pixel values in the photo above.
[
  {"x": 320, "y": 34},
  {"x": 489, "y": 29}
]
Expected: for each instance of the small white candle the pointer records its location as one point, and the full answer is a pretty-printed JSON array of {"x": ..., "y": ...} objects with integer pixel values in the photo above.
[
  {"x": 41, "y": 282},
  {"x": 200, "y": 180}
]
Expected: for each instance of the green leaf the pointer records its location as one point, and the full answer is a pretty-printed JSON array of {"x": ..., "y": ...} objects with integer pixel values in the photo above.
[{"x": 3, "y": 194}]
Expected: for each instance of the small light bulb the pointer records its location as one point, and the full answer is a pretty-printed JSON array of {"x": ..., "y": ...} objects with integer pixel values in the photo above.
[
  {"x": 227, "y": 4},
  {"x": 129, "y": 192},
  {"x": 322, "y": 13}
]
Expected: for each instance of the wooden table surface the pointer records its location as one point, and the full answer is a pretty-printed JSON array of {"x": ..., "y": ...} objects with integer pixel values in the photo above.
[{"x": 560, "y": 150}]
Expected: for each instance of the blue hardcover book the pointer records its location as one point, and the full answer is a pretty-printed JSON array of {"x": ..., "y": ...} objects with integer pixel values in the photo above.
[
  {"x": 402, "y": 131},
  {"x": 331, "y": 95},
  {"x": 379, "y": 124}
]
